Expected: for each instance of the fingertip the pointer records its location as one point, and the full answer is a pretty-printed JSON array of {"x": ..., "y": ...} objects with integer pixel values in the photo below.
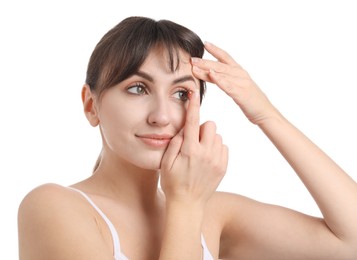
[
  {"x": 193, "y": 94},
  {"x": 207, "y": 43},
  {"x": 189, "y": 94},
  {"x": 194, "y": 60}
]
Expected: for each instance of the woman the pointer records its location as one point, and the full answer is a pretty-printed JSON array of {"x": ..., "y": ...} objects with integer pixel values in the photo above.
[{"x": 145, "y": 81}]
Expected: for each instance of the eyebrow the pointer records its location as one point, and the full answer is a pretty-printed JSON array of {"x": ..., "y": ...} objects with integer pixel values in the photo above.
[{"x": 176, "y": 81}]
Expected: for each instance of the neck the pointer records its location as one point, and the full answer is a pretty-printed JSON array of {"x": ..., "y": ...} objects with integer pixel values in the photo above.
[{"x": 131, "y": 185}]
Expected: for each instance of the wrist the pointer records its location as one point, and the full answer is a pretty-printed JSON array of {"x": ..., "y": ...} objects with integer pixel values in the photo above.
[
  {"x": 274, "y": 117},
  {"x": 186, "y": 206},
  {"x": 183, "y": 229},
  {"x": 185, "y": 212}
]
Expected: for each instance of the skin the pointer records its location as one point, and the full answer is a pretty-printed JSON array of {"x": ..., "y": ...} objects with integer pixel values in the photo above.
[{"x": 58, "y": 223}]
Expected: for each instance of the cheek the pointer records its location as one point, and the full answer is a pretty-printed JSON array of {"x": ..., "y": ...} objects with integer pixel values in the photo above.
[
  {"x": 179, "y": 115},
  {"x": 114, "y": 116},
  {"x": 120, "y": 118}
]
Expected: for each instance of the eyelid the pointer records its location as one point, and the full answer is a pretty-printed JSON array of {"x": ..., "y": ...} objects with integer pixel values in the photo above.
[
  {"x": 182, "y": 89},
  {"x": 135, "y": 85}
]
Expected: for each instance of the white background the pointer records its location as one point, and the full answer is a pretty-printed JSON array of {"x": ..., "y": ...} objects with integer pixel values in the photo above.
[{"x": 303, "y": 54}]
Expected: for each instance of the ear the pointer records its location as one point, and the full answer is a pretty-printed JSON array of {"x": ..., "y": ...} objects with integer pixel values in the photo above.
[{"x": 89, "y": 105}]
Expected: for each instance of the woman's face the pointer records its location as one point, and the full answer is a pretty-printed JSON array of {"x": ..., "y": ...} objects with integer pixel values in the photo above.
[{"x": 139, "y": 116}]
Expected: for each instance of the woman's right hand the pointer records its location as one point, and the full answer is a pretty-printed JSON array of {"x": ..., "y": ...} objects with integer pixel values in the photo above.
[{"x": 195, "y": 161}]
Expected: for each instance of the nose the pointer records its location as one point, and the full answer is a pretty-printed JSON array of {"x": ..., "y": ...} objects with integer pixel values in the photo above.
[{"x": 159, "y": 113}]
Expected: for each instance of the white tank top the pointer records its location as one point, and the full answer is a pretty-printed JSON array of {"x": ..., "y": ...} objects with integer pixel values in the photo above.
[{"x": 118, "y": 255}]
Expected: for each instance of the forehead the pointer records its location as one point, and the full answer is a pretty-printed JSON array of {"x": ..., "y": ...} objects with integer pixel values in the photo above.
[
  {"x": 161, "y": 58},
  {"x": 160, "y": 69}
]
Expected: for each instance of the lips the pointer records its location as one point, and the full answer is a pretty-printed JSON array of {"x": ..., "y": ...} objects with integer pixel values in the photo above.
[{"x": 155, "y": 140}]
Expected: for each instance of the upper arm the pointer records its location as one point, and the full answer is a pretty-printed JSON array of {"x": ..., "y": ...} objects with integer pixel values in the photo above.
[
  {"x": 54, "y": 224},
  {"x": 254, "y": 230}
]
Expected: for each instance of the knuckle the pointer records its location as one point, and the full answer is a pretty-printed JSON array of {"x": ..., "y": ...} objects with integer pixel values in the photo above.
[
  {"x": 190, "y": 150},
  {"x": 220, "y": 169}
]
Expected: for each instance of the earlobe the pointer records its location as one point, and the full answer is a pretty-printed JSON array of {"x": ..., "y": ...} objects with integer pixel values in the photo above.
[{"x": 89, "y": 107}]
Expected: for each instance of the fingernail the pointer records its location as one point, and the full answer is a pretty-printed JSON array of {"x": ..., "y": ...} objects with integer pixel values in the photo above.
[
  {"x": 189, "y": 94},
  {"x": 206, "y": 43},
  {"x": 194, "y": 60},
  {"x": 192, "y": 94},
  {"x": 195, "y": 68}
]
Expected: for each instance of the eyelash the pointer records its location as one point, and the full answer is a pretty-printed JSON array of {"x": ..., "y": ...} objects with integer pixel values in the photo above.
[
  {"x": 137, "y": 86},
  {"x": 183, "y": 92}
]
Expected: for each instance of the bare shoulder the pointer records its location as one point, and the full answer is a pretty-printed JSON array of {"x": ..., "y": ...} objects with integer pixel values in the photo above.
[
  {"x": 224, "y": 206},
  {"x": 237, "y": 211},
  {"x": 222, "y": 209},
  {"x": 232, "y": 212},
  {"x": 52, "y": 218},
  {"x": 44, "y": 210},
  {"x": 228, "y": 197},
  {"x": 42, "y": 199},
  {"x": 50, "y": 189},
  {"x": 223, "y": 203},
  {"x": 45, "y": 199}
]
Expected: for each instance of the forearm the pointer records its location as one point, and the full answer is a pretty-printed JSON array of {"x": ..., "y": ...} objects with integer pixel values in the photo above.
[
  {"x": 182, "y": 235},
  {"x": 333, "y": 190}
]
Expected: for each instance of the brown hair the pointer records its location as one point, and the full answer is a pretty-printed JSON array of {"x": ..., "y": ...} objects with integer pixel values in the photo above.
[{"x": 123, "y": 49}]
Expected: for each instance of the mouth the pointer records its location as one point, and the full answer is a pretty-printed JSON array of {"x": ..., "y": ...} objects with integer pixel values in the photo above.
[{"x": 155, "y": 140}]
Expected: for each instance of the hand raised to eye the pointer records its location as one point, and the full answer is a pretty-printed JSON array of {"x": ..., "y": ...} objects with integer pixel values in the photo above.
[{"x": 196, "y": 159}]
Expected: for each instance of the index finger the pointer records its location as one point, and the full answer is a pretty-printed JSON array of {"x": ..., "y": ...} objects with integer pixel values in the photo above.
[
  {"x": 220, "y": 54},
  {"x": 191, "y": 129}
]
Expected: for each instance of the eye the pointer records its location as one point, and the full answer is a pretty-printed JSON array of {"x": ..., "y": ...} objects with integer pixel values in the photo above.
[
  {"x": 137, "y": 89},
  {"x": 181, "y": 94}
]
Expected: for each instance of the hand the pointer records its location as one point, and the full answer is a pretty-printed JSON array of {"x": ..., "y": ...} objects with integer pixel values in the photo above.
[
  {"x": 229, "y": 76},
  {"x": 195, "y": 161}
]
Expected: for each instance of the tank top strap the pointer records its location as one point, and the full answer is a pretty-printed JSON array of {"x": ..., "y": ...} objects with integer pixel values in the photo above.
[
  {"x": 118, "y": 255},
  {"x": 206, "y": 253}
]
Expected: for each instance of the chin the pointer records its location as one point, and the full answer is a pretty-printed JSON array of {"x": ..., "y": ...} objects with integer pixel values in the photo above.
[
  {"x": 148, "y": 160},
  {"x": 152, "y": 164}
]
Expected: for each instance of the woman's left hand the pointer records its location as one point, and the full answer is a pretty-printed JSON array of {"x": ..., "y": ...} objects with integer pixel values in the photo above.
[{"x": 229, "y": 76}]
